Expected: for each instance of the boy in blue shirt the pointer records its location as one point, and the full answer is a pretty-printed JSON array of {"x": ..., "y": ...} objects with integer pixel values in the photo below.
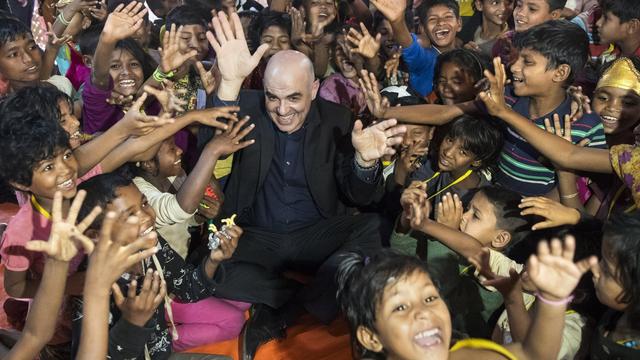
[{"x": 441, "y": 21}]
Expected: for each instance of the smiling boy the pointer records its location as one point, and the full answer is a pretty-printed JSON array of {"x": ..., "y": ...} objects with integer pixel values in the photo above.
[
  {"x": 20, "y": 56},
  {"x": 441, "y": 21}
]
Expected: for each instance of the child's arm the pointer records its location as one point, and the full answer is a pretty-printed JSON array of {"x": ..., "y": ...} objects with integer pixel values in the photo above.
[
  {"x": 510, "y": 287},
  {"x": 428, "y": 114},
  {"x": 226, "y": 143},
  {"x": 135, "y": 149},
  {"x": 64, "y": 242},
  {"x": 54, "y": 44},
  {"x": 554, "y": 148},
  {"x": 457, "y": 241},
  {"x": 122, "y": 23},
  {"x": 555, "y": 275},
  {"x": 107, "y": 262},
  {"x": 361, "y": 42},
  {"x": 394, "y": 11},
  {"x": 133, "y": 123}
]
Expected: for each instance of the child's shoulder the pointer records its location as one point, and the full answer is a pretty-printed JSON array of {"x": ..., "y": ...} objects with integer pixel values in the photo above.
[{"x": 26, "y": 225}]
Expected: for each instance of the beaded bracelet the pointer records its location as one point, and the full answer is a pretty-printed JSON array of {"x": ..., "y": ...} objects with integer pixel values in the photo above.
[
  {"x": 561, "y": 302},
  {"x": 160, "y": 76},
  {"x": 570, "y": 196}
]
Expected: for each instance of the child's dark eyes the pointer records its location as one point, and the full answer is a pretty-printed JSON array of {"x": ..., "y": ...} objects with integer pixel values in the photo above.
[
  {"x": 115, "y": 66},
  {"x": 400, "y": 308},
  {"x": 48, "y": 168},
  {"x": 67, "y": 156},
  {"x": 431, "y": 299}
]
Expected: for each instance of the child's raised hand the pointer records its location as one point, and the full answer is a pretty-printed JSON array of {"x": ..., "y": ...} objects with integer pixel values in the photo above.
[
  {"x": 416, "y": 192},
  {"x": 66, "y": 237},
  {"x": 140, "y": 124},
  {"x": 229, "y": 141},
  {"x": 363, "y": 43},
  {"x": 208, "y": 77},
  {"x": 168, "y": 97},
  {"x": 493, "y": 98},
  {"x": 116, "y": 253},
  {"x": 171, "y": 57},
  {"x": 410, "y": 158},
  {"x": 506, "y": 285},
  {"x": 553, "y": 271},
  {"x": 139, "y": 308},
  {"x": 209, "y": 116},
  {"x": 393, "y": 10},
  {"x": 449, "y": 211},
  {"x": 555, "y": 213},
  {"x": 228, "y": 244},
  {"x": 124, "y": 21},
  {"x": 53, "y": 41},
  {"x": 369, "y": 86},
  {"x": 580, "y": 103},
  {"x": 392, "y": 65}
]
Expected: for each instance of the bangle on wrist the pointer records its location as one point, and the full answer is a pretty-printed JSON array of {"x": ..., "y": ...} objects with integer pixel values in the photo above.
[
  {"x": 570, "y": 196},
  {"x": 63, "y": 20},
  {"x": 561, "y": 302},
  {"x": 160, "y": 76},
  {"x": 359, "y": 158}
]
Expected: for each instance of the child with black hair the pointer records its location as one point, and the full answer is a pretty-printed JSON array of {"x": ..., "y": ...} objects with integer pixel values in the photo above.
[
  {"x": 494, "y": 15},
  {"x": 615, "y": 278},
  {"x": 133, "y": 334},
  {"x": 551, "y": 54},
  {"x": 271, "y": 28},
  {"x": 526, "y": 14},
  {"x": 492, "y": 220},
  {"x": 456, "y": 74},
  {"x": 441, "y": 20},
  {"x": 620, "y": 27},
  {"x": 395, "y": 311},
  {"x": 120, "y": 67}
]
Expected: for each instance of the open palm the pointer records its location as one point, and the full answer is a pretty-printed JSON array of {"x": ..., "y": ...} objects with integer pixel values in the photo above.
[
  {"x": 378, "y": 140},
  {"x": 232, "y": 53},
  {"x": 391, "y": 9},
  {"x": 124, "y": 21}
]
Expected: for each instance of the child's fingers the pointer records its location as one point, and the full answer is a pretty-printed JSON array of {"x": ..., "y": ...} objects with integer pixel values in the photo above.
[
  {"x": 162, "y": 292},
  {"x": 88, "y": 220},
  {"x": 132, "y": 289},
  {"x": 56, "y": 213},
  {"x": 543, "y": 225},
  {"x": 118, "y": 298},
  {"x": 148, "y": 279},
  {"x": 85, "y": 243},
  {"x": 569, "y": 248},
  {"x": 556, "y": 248},
  {"x": 585, "y": 264},
  {"x": 105, "y": 230},
  {"x": 39, "y": 246}
]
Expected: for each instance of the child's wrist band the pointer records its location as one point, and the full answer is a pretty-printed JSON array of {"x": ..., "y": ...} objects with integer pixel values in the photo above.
[
  {"x": 160, "y": 76},
  {"x": 560, "y": 302},
  {"x": 570, "y": 196},
  {"x": 63, "y": 20}
]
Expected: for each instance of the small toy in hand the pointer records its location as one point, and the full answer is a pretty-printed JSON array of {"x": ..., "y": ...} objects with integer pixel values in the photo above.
[
  {"x": 214, "y": 234},
  {"x": 210, "y": 193}
]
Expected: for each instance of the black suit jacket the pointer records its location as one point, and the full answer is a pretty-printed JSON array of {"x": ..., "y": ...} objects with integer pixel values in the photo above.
[{"x": 328, "y": 160}]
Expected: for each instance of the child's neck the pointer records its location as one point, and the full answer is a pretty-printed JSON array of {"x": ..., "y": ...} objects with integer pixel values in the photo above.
[
  {"x": 470, "y": 182},
  {"x": 629, "y": 47},
  {"x": 47, "y": 204},
  {"x": 159, "y": 181},
  {"x": 545, "y": 104},
  {"x": 490, "y": 30},
  {"x": 623, "y": 138}
]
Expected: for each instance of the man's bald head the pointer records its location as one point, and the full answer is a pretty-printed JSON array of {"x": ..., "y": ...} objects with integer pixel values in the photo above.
[
  {"x": 290, "y": 87},
  {"x": 289, "y": 63}
]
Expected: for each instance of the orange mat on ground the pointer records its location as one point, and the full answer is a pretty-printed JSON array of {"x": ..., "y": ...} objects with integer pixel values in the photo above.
[{"x": 309, "y": 340}]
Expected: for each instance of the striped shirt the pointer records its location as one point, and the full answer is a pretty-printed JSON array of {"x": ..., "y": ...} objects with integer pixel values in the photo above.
[{"x": 519, "y": 166}]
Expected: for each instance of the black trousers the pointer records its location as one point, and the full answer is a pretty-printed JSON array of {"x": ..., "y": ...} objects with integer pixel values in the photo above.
[{"x": 254, "y": 273}]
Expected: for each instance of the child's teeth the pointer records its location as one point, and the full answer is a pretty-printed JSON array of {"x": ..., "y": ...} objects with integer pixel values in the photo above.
[{"x": 65, "y": 184}]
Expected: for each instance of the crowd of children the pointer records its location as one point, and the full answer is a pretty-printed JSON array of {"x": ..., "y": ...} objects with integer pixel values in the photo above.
[{"x": 518, "y": 172}]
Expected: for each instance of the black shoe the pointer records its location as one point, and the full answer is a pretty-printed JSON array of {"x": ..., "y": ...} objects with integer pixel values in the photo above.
[{"x": 263, "y": 326}]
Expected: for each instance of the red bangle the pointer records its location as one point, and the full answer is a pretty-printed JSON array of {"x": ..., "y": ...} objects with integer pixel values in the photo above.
[{"x": 561, "y": 302}]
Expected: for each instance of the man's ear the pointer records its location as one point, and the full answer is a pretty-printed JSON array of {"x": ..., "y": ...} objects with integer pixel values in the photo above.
[
  {"x": 561, "y": 73},
  {"x": 633, "y": 26},
  {"x": 502, "y": 239},
  {"x": 368, "y": 339},
  {"x": 314, "y": 88},
  {"x": 20, "y": 187}
]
